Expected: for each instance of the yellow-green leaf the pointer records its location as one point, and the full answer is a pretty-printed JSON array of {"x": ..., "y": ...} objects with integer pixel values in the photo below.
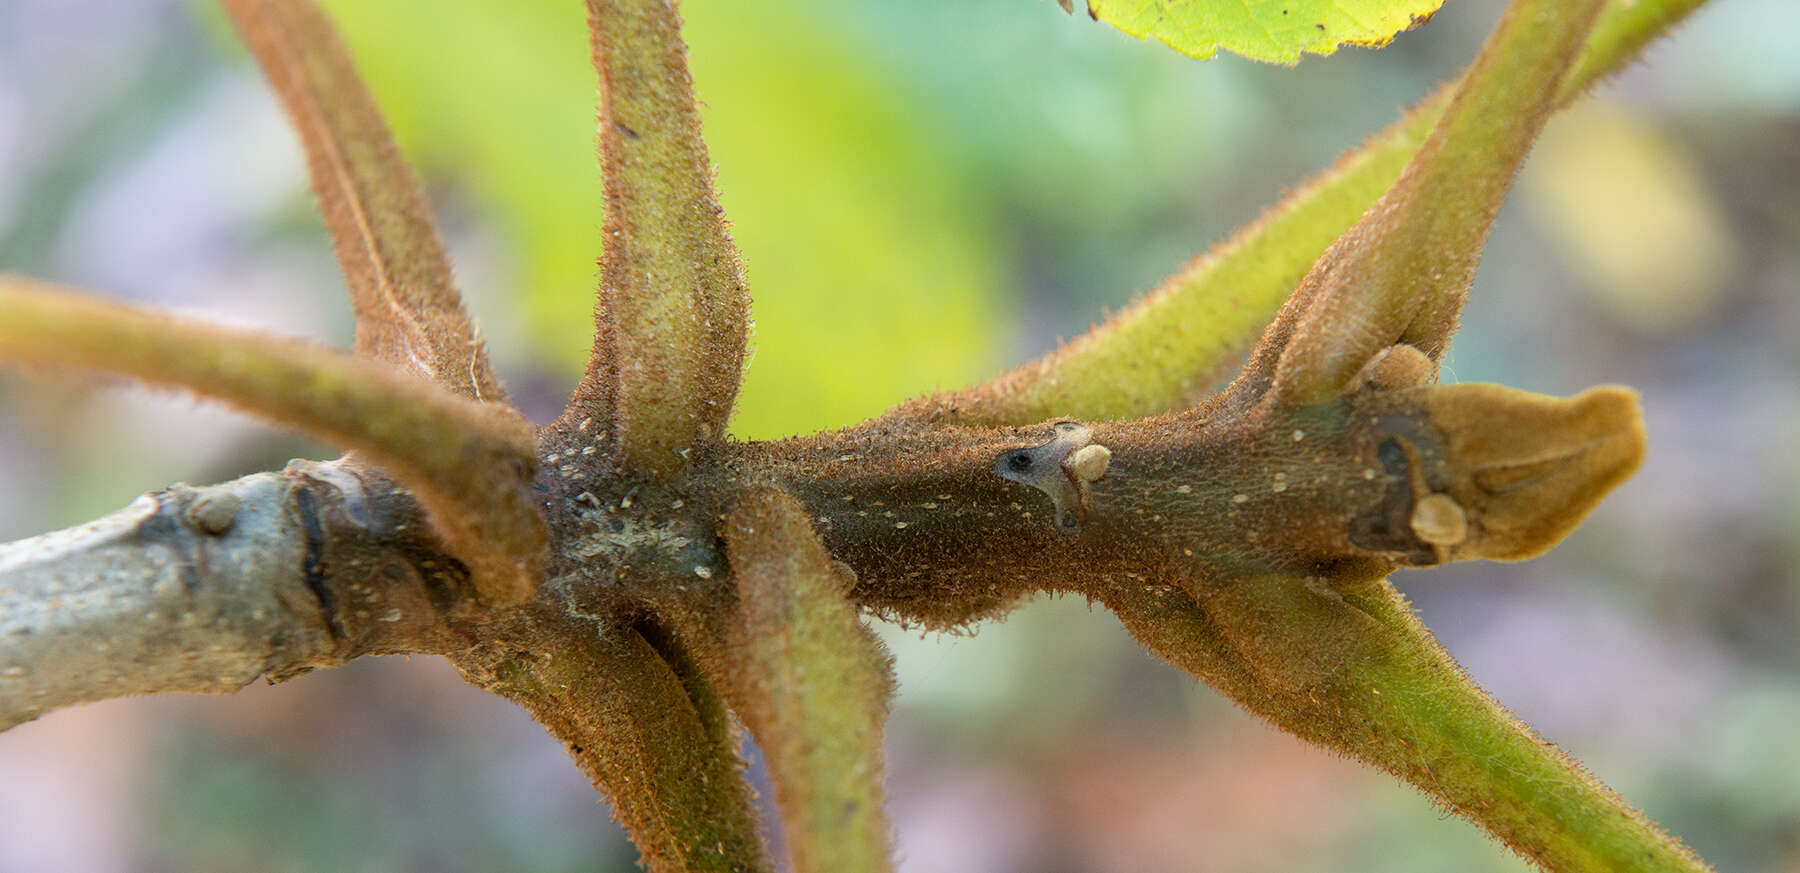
[{"x": 1276, "y": 31}]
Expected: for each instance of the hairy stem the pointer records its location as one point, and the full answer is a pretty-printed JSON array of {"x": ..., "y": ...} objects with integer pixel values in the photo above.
[
  {"x": 673, "y": 312},
  {"x": 408, "y": 311},
  {"x": 467, "y": 463},
  {"x": 1402, "y": 272},
  {"x": 658, "y": 751},
  {"x": 1358, "y": 673},
  {"x": 1174, "y": 344},
  {"x": 944, "y": 526},
  {"x": 813, "y": 684}
]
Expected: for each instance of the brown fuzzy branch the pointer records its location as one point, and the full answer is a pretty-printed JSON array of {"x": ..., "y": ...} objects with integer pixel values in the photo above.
[{"x": 942, "y": 529}]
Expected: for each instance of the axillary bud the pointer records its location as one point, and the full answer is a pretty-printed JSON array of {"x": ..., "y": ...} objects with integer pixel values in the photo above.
[{"x": 1062, "y": 469}]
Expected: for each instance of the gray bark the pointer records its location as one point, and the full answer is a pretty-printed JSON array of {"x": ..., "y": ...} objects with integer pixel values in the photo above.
[{"x": 203, "y": 590}]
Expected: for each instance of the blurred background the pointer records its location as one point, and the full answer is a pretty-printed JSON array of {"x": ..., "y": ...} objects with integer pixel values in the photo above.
[{"x": 926, "y": 192}]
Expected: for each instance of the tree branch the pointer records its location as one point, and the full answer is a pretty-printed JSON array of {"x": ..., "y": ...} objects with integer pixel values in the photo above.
[
  {"x": 1244, "y": 540},
  {"x": 202, "y": 590},
  {"x": 947, "y": 525}
]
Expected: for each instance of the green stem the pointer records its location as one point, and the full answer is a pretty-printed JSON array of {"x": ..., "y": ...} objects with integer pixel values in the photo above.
[
  {"x": 467, "y": 463},
  {"x": 1402, "y": 272},
  {"x": 660, "y": 752},
  {"x": 1186, "y": 336},
  {"x": 673, "y": 312},
  {"x": 813, "y": 684},
  {"x": 1360, "y": 674}
]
